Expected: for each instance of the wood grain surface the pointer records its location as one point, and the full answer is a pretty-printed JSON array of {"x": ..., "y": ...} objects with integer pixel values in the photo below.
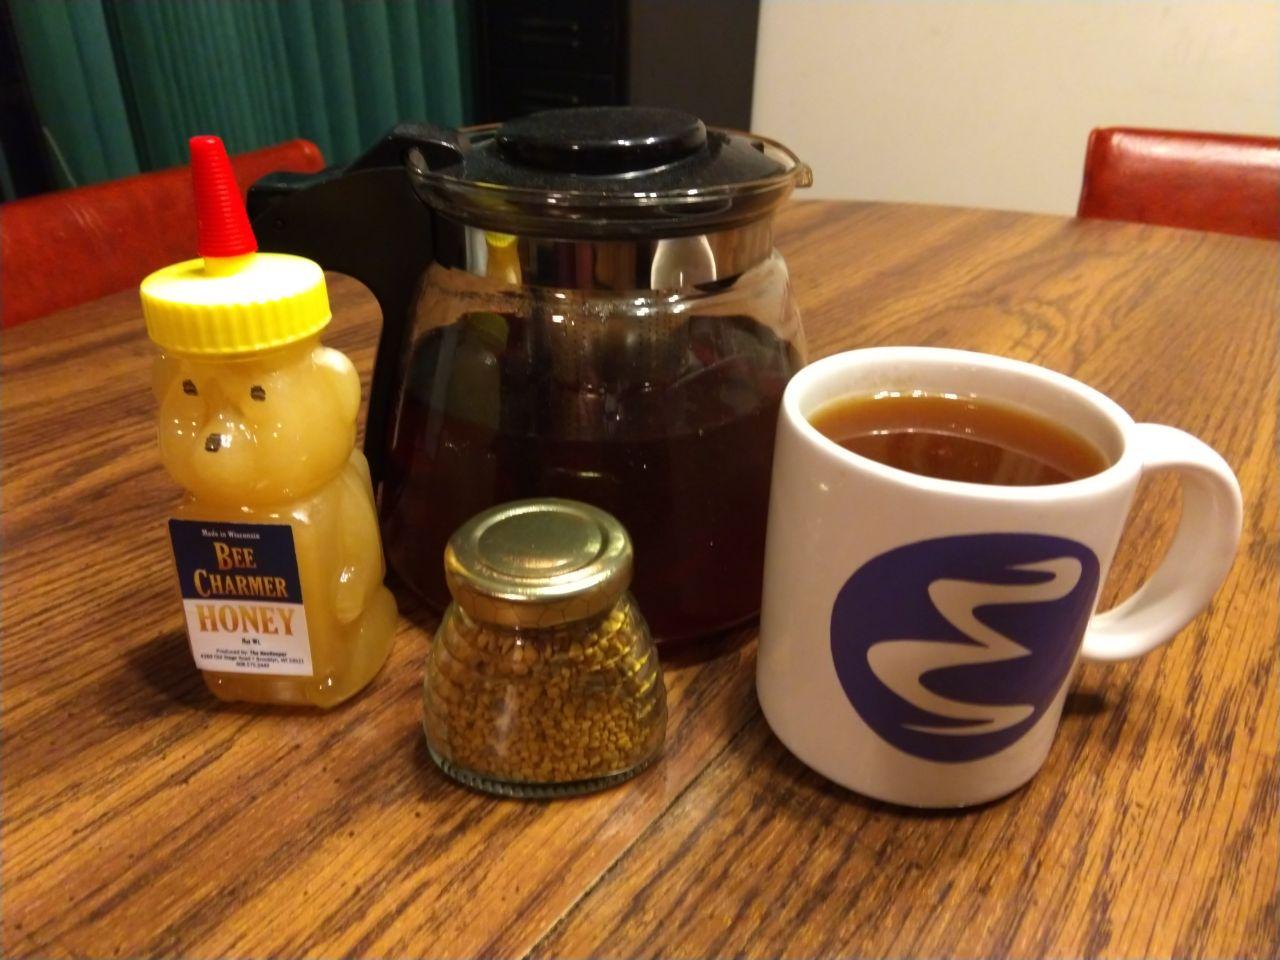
[{"x": 143, "y": 819}]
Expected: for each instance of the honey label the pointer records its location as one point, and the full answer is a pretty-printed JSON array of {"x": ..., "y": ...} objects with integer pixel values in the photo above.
[{"x": 242, "y": 597}]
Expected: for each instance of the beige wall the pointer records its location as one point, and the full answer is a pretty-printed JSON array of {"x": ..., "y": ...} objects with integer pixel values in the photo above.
[{"x": 989, "y": 104}]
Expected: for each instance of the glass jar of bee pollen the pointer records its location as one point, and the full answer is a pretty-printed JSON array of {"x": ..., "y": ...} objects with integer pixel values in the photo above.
[{"x": 542, "y": 679}]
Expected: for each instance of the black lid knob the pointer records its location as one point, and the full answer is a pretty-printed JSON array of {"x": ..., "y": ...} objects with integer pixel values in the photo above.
[{"x": 601, "y": 140}]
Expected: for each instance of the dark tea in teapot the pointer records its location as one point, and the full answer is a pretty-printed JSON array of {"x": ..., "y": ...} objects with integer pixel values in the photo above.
[
  {"x": 584, "y": 303},
  {"x": 669, "y": 429}
]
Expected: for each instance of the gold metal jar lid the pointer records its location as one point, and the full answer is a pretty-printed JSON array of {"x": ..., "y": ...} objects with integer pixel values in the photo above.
[{"x": 538, "y": 563}]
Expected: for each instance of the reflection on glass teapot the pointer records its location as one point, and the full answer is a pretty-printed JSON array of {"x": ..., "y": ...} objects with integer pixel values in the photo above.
[{"x": 580, "y": 303}]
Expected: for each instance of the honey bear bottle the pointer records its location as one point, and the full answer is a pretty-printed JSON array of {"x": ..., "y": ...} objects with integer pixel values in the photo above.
[{"x": 276, "y": 541}]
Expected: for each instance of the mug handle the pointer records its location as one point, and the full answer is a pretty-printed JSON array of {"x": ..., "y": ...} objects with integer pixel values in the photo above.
[{"x": 1198, "y": 560}]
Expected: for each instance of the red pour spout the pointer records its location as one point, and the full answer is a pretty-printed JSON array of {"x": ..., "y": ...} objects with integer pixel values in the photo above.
[{"x": 221, "y": 219}]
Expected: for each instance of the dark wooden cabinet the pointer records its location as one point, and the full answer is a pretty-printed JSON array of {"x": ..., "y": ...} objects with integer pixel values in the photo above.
[{"x": 697, "y": 55}]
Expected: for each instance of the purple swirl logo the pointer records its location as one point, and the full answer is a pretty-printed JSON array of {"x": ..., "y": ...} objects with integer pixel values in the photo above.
[{"x": 952, "y": 649}]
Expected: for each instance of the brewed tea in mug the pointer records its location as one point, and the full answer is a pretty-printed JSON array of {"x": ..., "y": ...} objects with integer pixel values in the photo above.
[{"x": 964, "y": 438}]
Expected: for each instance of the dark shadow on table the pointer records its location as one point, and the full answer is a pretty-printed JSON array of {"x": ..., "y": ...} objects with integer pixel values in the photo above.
[
  {"x": 1087, "y": 703},
  {"x": 412, "y": 607},
  {"x": 167, "y": 677},
  {"x": 686, "y": 653}
]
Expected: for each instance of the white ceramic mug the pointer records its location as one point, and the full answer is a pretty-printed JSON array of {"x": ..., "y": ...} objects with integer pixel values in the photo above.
[{"x": 918, "y": 636}]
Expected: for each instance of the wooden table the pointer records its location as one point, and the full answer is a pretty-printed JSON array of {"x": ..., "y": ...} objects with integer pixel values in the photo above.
[{"x": 142, "y": 819}]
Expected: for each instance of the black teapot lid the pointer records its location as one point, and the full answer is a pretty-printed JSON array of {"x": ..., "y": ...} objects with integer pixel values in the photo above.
[
  {"x": 619, "y": 148},
  {"x": 600, "y": 140},
  {"x": 606, "y": 171}
]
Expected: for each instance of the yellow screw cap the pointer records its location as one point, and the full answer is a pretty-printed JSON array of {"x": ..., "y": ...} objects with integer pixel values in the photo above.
[
  {"x": 233, "y": 299},
  {"x": 219, "y": 306}
]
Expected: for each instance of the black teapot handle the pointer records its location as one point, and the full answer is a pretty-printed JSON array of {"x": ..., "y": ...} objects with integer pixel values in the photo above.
[{"x": 363, "y": 220}]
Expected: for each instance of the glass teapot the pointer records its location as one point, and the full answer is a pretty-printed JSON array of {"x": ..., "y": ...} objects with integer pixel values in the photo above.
[{"x": 579, "y": 303}]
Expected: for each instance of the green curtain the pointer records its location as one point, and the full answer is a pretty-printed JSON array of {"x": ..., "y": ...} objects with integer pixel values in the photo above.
[
  {"x": 339, "y": 72},
  {"x": 66, "y": 49}
]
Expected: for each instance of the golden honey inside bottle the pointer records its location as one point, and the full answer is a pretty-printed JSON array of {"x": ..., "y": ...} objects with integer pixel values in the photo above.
[{"x": 276, "y": 540}]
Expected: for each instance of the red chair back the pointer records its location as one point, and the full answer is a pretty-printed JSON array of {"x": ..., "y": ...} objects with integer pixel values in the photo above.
[
  {"x": 1201, "y": 181},
  {"x": 67, "y": 247}
]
